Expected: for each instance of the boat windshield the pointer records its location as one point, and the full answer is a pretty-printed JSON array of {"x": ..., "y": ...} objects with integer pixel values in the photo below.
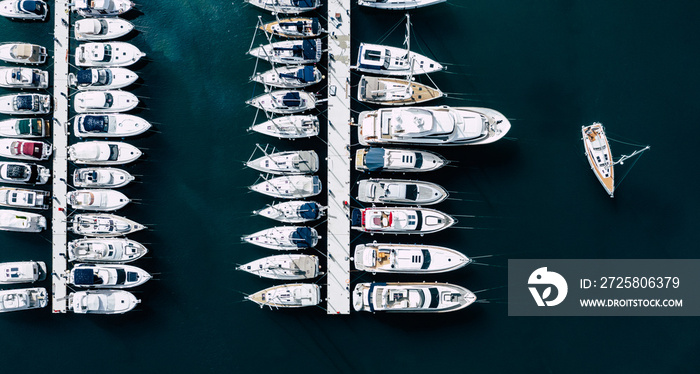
[
  {"x": 104, "y": 77},
  {"x": 107, "y": 53},
  {"x": 387, "y": 58}
]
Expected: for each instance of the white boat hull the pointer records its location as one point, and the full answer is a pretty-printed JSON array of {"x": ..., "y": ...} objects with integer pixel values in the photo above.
[
  {"x": 25, "y": 104},
  {"x": 411, "y": 297},
  {"x": 109, "y": 126},
  {"x": 399, "y": 191},
  {"x": 289, "y": 127},
  {"x": 18, "y": 221},
  {"x": 105, "y": 250},
  {"x": 17, "y": 9},
  {"x": 101, "y": 178},
  {"x": 101, "y": 28},
  {"x": 288, "y": 163},
  {"x": 97, "y": 200},
  {"x": 407, "y": 258},
  {"x": 24, "y": 128},
  {"x": 23, "y": 299},
  {"x": 22, "y": 272},
  {"x": 25, "y": 150},
  {"x": 24, "y": 78},
  {"x": 95, "y": 54},
  {"x": 103, "y": 225},
  {"x": 398, "y": 220},
  {"x": 117, "y": 276},
  {"x": 284, "y": 238},
  {"x": 103, "y": 79},
  {"x": 102, "y": 302},
  {"x": 293, "y": 211},
  {"x": 284, "y": 267},
  {"x": 288, "y": 296},
  {"x": 398, "y": 4},
  {"x": 23, "y": 53},
  {"x": 23, "y": 173},
  {"x": 103, "y": 153},
  {"x": 290, "y": 187}
]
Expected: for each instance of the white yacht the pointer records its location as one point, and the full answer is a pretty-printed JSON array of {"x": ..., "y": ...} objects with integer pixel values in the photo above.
[
  {"x": 288, "y": 296},
  {"x": 397, "y": 160},
  {"x": 27, "y": 10},
  {"x": 290, "y": 52},
  {"x": 11, "y": 77},
  {"x": 290, "y": 186},
  {"x": 103, "y": 153},
  {"x": 398, "y": 4},
  {"x": 99, "y": 200},
  {"x": 284, "y": 101},
  {"x": 23, "y": 53},
  {"x": 407, "y": 258},
  {"x": 289, "y": 162},
  {"x": 101, "y": 178},
  {"x": 397, "y": 220},
  {"x": 22, "y": 198},
  {"x": 289, "y": 127},
  {"x": 102, "y": 302},
  {"x": 286, "y": 6},
  {"x": 284, "y": 267},
  {"x": 298, "y": 27},
  {"x": 25, "y": 150},
  {"x": 109, "y": 125},
  {"x": 109, "y": 54},
  {"x": 102, "y": 78},
  {"x": 295, "y": 76},
  {"x": 24, "y": 128},
  {"x": 107, "y": 276},
  {"x": 105, "y": 250},
  {"x": 26, "y": 104},
  {"x": 23, "y": 299},
  {"x": 22, "y": 272},
  {"x": 112, "y": 101},
  {"x": 101, "y": 28},
  {"x": 395, "y": 91},
  {"x": 23, "y": 173},
  {"x": 283, "y": 238},
  {"x": 296, "y": 211},
  {"x": 15, "y": 220},
  {"x": 599, "y": 155},
  {"x": 102, "y": 8},
  {"x": 103, "y": 225},
  {"x": 411, "y": 297},
  {"x": 400, "y": 191}
]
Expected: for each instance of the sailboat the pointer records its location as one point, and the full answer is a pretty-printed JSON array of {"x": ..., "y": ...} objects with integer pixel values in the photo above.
[{"x": 395, "y": 91}]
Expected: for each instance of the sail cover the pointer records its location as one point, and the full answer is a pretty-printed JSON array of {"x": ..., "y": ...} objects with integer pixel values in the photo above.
[
  {"x": 374, "y": 159},
  {"x": 310, "y": 49},
  {"x": 303, "y": 237},
  {"x": 303, "y": 3},
  {"x": 306, "y": 74},
  {"x": 308, "y": 211},
  {"x": 291, "y": 99},
  {"x": 315, "y": 26}
]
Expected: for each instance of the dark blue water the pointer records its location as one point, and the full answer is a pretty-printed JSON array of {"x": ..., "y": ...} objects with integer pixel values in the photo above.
[{"x": 549, "y": 66}]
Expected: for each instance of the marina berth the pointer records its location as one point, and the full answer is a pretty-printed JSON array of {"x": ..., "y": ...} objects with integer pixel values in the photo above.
[
  {"x": 11, "y": 77},
  {"x": 15, "y": 220},
  {"x": 107, "y": 276},
  {"x": 411, "y": 297},
  {"x": 102, "y": 8},
  {"x": 286, "y": 6},
  {"x": 23, "y": 173},
  {"x": 599, "y": 155},
  {"x": 288, "y": 296},
  {"x": 103, "y": 153},
  {"x": 397, "y": 160},
  {"x": 298, "y": 27},
  {"x": 25, "y": 104},
  {"x": 101, "y": 178},
  {"x": 109, "y": 125},
  {"x": 284, "y": 267},
  {"x": 113, "y": 101},
  {"x": 101, "y": 28},
  {"x": 102, "y": 78},
  {"x": 25, "y": 150},
  {"x": 284, "y": 101},
  {"x": 22, "y": 198},
  {"x": 397, "y": 220},
  {"x": 283, "y": 238},
  {"x": 289, "y": 76},
  {"x": 103, "y": 225},
  {"x": 293, "y": 211},
  {"x": 105, "y": 250},
  {"x": 407, "y": 258},
  {"x": 290, "y": 186},
  {"x": 22, "y": 272},
  {"x": 97, "y": 200},
  {"x": 24, "y": 128},
  {"x": 23, "y": 53},
  {"x": 289, "y": 127},
  {"x": 289, "y": 162},
  {"x": 290, "y": 52},
  {"x": 102, "y": 302},
  {"x": 400, "y": 191},
  {"x": 27, "y": 10},
  {"x": 398, "y": 4},
  {"x": 395, "y": 91},
  {"x": 109, "y": 54},
  {"x": 23, "y": 299}
]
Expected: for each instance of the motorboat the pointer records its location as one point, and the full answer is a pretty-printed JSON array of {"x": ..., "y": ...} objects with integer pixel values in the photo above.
[
  {"x": 101, "y": 178},
  {"x": 102, "y": 8},
  {"x": 407, "y": 258},
  {"x": 290, "y": 52},
  {"x": 298, "y": 27},
  {"x": 290, "y": 186},
  {"x": 411, "y": 297},
  {"x": 23, "y": 299},
  {"x": 398, "y": 220},
  {"x": 289, "y": 127},
  {"x": 288, "y": 296},
  {"x": 27, "y": 10},
  {"x": 112, "y": 101},
  {"x": 22, "y": 272},
  {"x": 105, "y": 250},
  {"x": 294, "y": 76},
  {"x": 286, "y": 6},
  {"x": 24, "y": 128},
  {"x": 107, "y": 276},
  {"x": 25, "y": 150},
  {"x": 103, "y": 153},
  {"x": 23, "y": 53},
  {"x": 25, "y": 104},
  {"x": 109, "y": 125},
  {"x": 296, "y": 211},
  {"x": 103, "y": 225},
  {"x": 11, "y": 77},
  {"x": 23, "y": 198},
  {"x": 284, "y": 238},
  {"x": 395, "y": 91},
  {"x": 397, "y": 160},
  {"x": 284, "y": 267},
  {"x": 284, "y": 101},
  {"x": 15, "y": 220},
  {"x": 102, "y": 78},
  {"x": 100, "y": 200},
  {"x": 398, "y": 4},
  {"x": 289, "y": 162},
  {"x": 102, "y": 302},
  {"x": 400, "y": 191},
  {"x": 101, "y": 28},
  {"x": 109, "y": 54},
  {"x": 23, "y": 173}
]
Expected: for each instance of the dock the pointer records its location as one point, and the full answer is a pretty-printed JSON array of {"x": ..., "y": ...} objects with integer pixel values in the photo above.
[{"x": 339, "y": 158}]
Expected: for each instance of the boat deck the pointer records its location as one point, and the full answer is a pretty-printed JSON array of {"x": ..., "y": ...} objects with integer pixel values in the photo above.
[{"x": 420, "y": 93}]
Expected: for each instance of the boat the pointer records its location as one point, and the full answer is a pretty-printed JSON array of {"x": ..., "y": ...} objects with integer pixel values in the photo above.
[
  {"x": 397, "y": 220},
  {"x": 102, "y": 78},
  {"x": 27, "y": 10},
  {"x": 289, "y": 162},
  {"x": 290, "y": 186},
  {"x": 290, "y": 52},
  {"x": 294, "y": 76},
  {"x": 298, "y": 27},
  {"x": 101, "y": 178},
  {"x": 107, "y": 276},
  {"x": 105, "y": 250},
  {"x": 24, "y": 128},
  {"x": 397, "y": 160},
  {"x": 102, "y": 8},
  {"x": 23, "y": 173},
  {"x": 284, "y": 101},
  {"x": 288, "y": 296},
  {"x": 25, "y": 150},
  {"x": 407, "y": 258},
  {"x": 22, "y": 272},
  {"x": 400, "y": 191},
  {"x": 398, "y": 4},
  {"x": 25, "y": 104},
  {"x": 15, "y": 220},
  {"x": 103, "y": 153},
  {"x": 23, "y": 53},
  {"x": 284, "y": 267},
  {"x": 286, "y": 6},
  {"x": 23, "y": 299},
  {"x": 102, "y": 302},
  {"x": 293, "y": 211},
  {"x": 103, "y": 225},
  {"x": 22, "y": 198},
  {"x": 411, "y": 297},
  {"x": 101, "y": 28},
  {"x": 395, "y": 91},
  {"x": 97, "y": 200},
  {"x": 112, "y": 101},
  {"x": 284, "y": 238},
  {"x": 11, "y": 77},
  {"x": 289, "y": 127},
  {"x": 109, "y": 54},
  {"x": 109, "y": 125}
]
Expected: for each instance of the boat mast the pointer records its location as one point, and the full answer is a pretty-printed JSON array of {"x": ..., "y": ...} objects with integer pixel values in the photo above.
[
  {"x": 408, "y": 34},
  {"x": 622, "y": 159}
]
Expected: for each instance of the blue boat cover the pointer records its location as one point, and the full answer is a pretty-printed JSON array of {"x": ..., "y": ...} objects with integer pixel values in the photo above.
[
  {"x": 303, "y": 3},
  {"x": 83, "y": 277},
  {"x": 303, "y": 237},
  {"x": 16, "y": 171},
  {"x": 84, "y": 76},
  {"x": 32, "y": 7},
  {"x": 315, "y": 26},
  {"x": 374, "y": 159},
  {"x": 308, "y": 211},
  {"x": 356, "y": 219},
  {"x": 310, "y": 49},
  {"x": 291, "y": 99},
  {"x": 95, "y": 124},
  {"x": 306, "y": 74},
  {"x": 24, "y": 102}
]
